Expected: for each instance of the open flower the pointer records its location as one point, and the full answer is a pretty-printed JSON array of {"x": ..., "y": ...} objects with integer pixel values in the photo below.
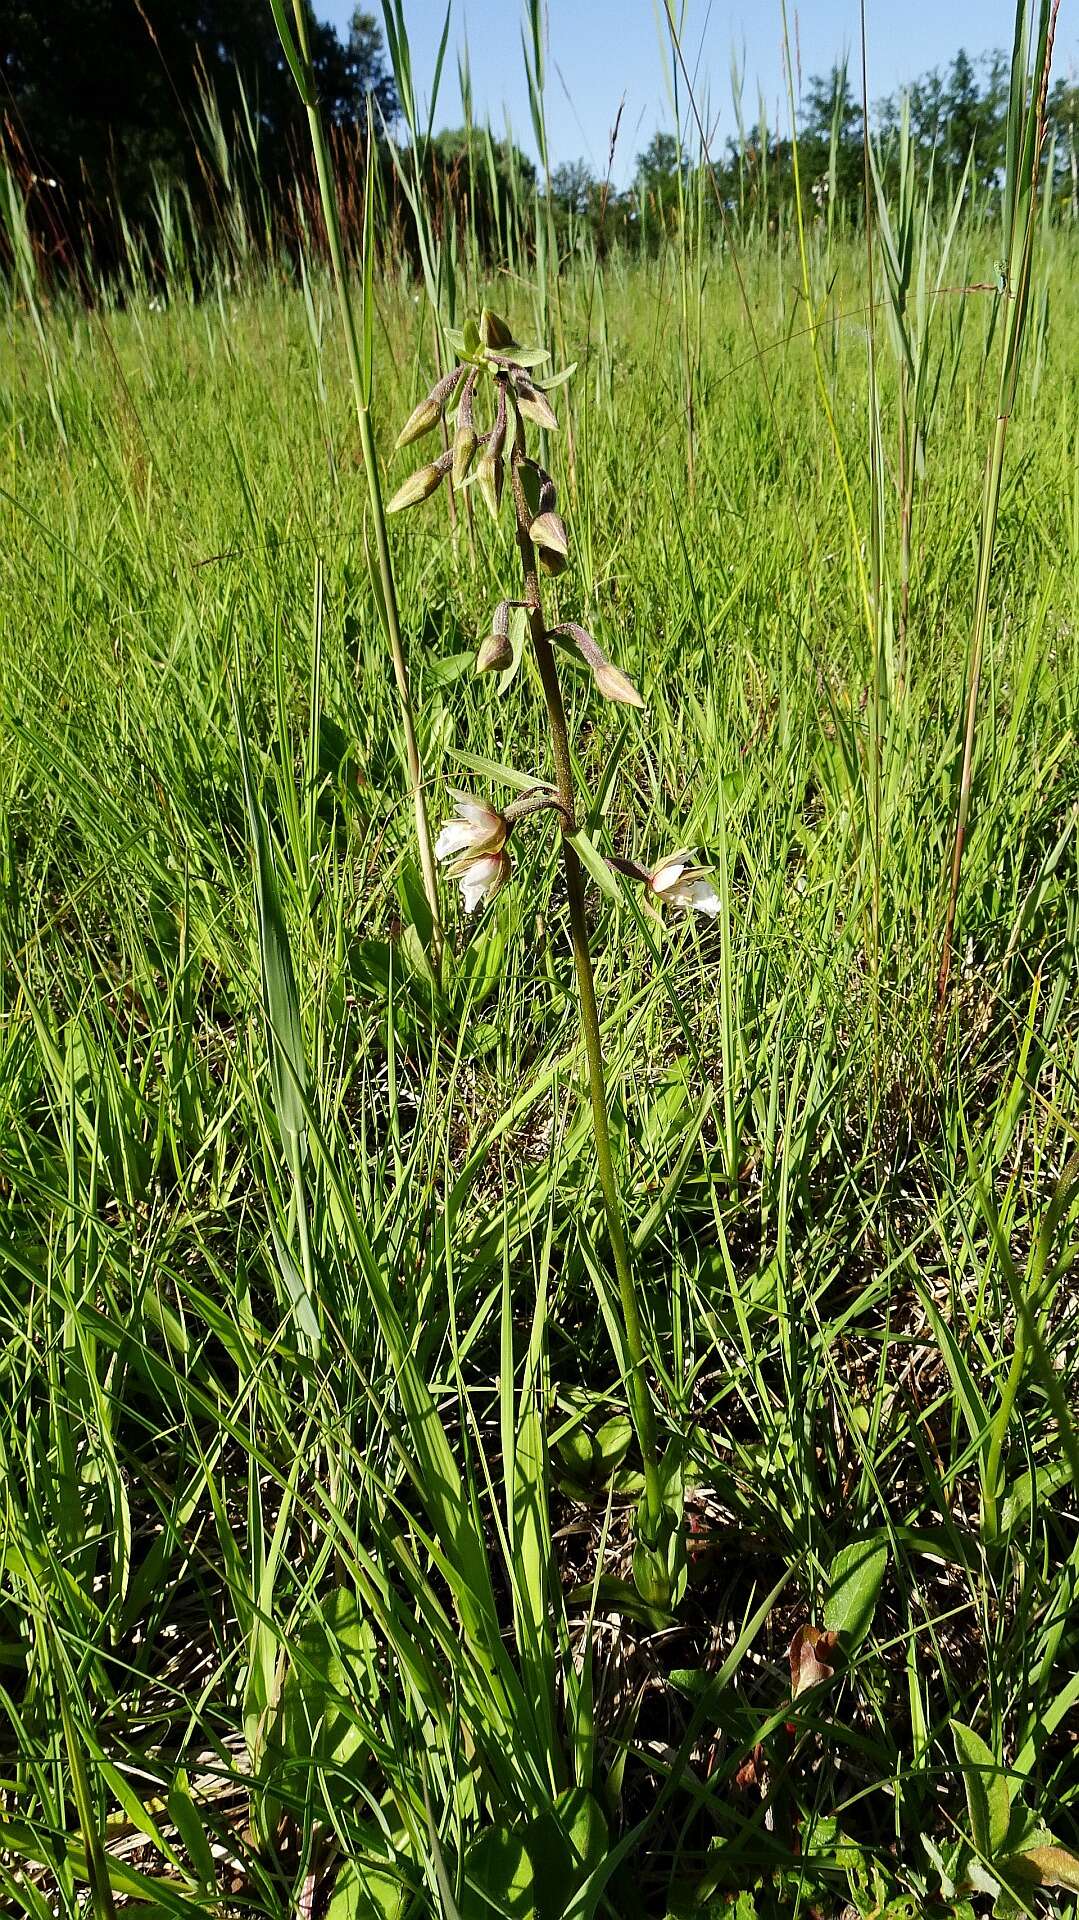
[
  {"x": 676, "y": 882},
  {"x": 474, "y": 843}
]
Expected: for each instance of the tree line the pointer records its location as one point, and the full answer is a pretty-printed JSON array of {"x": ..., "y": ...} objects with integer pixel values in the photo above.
[{"x": 115, "y": 112}]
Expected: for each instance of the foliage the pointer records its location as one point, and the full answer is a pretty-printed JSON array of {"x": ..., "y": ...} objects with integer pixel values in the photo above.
[{"x": 319, "y": 1477}]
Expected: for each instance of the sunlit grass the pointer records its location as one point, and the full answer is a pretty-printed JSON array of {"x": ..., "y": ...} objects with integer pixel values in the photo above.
[{"x": 318, "y": 1476}]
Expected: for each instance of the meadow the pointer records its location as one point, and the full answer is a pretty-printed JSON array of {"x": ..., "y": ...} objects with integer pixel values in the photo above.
[{"x": 320, "y": 1477}]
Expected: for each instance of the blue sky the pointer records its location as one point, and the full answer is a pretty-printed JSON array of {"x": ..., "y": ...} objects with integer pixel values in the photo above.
[{"x": 600, "y": 50}]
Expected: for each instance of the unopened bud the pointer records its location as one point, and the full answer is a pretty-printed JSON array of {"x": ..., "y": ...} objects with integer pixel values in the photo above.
[
  {"x": 496, "y": 651},
  {"x": 491, "y": 470},
  {"x": 548, "y": 532},
  {"x": 419, "y": 422},
  {"x": 428, "y": 413},
  {"x": 534, "y": 404},
  {"x": 489, "y": 477},
  {"x": 614, "y": 685},
  {"x": 611, "y": 681},
  {"x": 493, "y": 329},
  {"x": 464, "y": 448},
  {"x": 464, "y": 440},
  {"x": 419, "y": 486}
]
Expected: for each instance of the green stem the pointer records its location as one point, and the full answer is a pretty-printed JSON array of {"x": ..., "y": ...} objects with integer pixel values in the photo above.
[
  {"x": 640, "y": 1399},
  {"x": 986, "y": 544},
  {"x": 361, "y": 392}
]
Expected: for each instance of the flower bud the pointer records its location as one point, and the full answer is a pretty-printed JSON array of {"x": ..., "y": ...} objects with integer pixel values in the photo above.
[
  {"x": 496, "y": 651},
  {"x": 419, "y": 485},
  {"x": 464, "y": 447},
  {"x": 493, "y": 329},
  {"x": 464, "y": 440},
  {"x": 548, "y": 531},
  {"x": 491, "y": 470},
  {"x": 429, "y": 411},
  {"x": 489, "y": 477},
  {"x": 611, "y": 681},
  {"x": 533, "y": 403}
]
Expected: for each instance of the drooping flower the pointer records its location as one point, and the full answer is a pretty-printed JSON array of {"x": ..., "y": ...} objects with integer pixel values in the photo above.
[
  {"x": 677, "y": 882},
  {"x": 474, "y": 843}
]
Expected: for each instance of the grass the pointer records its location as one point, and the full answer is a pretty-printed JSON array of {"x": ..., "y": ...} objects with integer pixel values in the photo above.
[{"x": 318, "y": 1476}]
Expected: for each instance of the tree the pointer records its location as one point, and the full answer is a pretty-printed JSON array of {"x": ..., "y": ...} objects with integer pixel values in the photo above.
[
  {"x": 831, "y": 138},
  {"x": 106, "y": 97},
  {"x": 657, "y": 166},
  {"x": 365, "y": 63},
  {"x": 573, "y": 186}
]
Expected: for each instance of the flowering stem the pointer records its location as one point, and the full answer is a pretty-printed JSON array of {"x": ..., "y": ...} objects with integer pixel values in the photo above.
[{"x": 639, "y": 1397}]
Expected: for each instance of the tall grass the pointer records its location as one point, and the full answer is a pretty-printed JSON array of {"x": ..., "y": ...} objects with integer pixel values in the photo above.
[{"x": 318, "y": 1472}]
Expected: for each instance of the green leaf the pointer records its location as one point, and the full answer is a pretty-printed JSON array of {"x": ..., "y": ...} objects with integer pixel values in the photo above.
[
  {"x": 364, "y": 1892},
  {"x": 989, "y": 1801},
  {"x": 566, "y": 1843},
  {"x": 591, "y": 858},
  {"x": 854, "y": 1583},
  {"x": 499, "y": 1883},
  {"x": 327, "y": 1673},
  {"x": 612, "y": 1443},
  {"x": 1048, "y": 1866}
]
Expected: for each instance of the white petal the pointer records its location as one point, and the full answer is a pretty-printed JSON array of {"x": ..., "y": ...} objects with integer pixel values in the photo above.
[
  {"x": 701, "y": 896},
  {"x": 664, "y": 877},
  {"x": 473, "y": 890},
  {"x": 482, "y": 878},
  {"x": 455, "y": 837},
  {"x": 478, "y": 813}
]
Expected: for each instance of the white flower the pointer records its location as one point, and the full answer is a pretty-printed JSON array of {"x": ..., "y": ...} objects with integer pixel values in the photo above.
[
  {"x": 480, "y": 879},
  {"x": 474, "y": 842},
  {"x": 676, "y": 882}
]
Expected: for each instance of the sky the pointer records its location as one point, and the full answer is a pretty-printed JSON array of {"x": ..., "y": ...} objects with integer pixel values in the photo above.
[{"x": 601, "y": 51}]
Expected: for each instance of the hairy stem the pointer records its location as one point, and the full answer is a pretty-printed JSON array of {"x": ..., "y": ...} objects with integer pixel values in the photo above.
[{"x": 640, "y": 1399}]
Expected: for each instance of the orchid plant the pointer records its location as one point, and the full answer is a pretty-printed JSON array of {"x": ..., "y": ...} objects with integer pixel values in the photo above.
[{"x": 475, "y": 842}]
